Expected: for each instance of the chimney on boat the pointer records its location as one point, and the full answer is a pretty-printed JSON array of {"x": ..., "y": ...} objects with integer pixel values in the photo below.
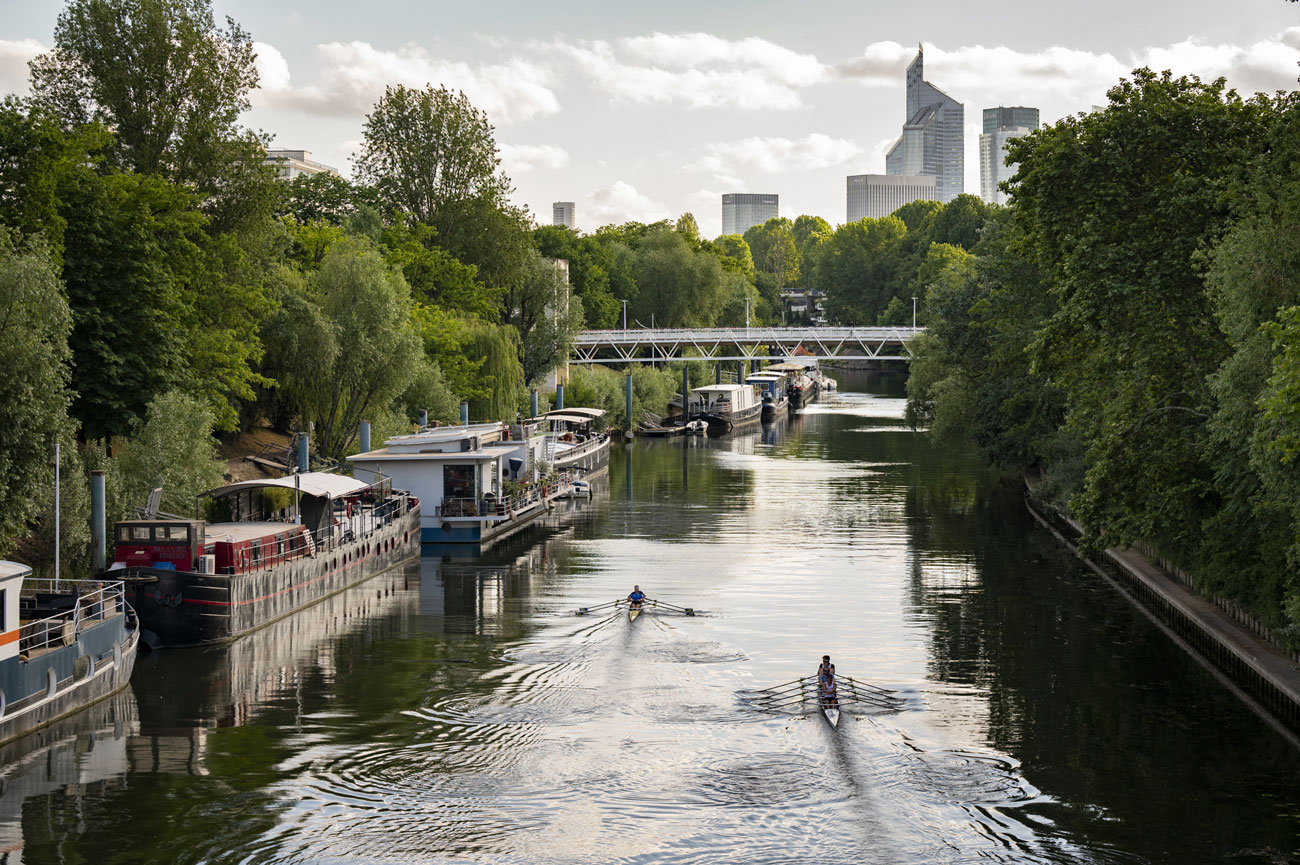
[
  {"x": 464, "y": 414},
  {"x": 98, "y": 538},
  {"x": 302, "y": 451},
  {"x": 424, "y": 418}
]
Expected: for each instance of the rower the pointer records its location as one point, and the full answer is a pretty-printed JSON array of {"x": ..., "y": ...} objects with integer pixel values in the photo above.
[
  {"x": 636, "y": 598},
  {"x": 826, "y": 689},
  {"x": 825, "y": 667}
]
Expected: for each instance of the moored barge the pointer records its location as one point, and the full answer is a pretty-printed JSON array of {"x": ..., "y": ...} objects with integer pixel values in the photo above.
[{"x": 273, "y": 546}]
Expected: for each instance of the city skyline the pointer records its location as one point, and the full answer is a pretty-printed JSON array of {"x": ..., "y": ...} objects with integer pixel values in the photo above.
[{"x": 645, "y": 115}]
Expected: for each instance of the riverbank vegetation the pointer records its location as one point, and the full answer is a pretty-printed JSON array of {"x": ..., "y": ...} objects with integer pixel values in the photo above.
[{"x": 1129, "y": 326}]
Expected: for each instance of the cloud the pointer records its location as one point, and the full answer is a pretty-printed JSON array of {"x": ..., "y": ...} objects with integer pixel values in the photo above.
[
  {"x": 523, "y": 158},
  {"x": 1082, "y": 77},
  {"x": 698, "y": 70},
  {"x": 621, "y": 203},
  {"x": 812, "y": 152},
  {"x": 354, "y": 76},
  {"x": 13, "y": 64}
]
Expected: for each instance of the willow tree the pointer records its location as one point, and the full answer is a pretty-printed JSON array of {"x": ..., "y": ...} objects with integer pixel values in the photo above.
[{"x": 501, "y": 375}]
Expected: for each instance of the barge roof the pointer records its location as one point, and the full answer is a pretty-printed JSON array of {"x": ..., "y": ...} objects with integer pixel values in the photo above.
[
  {"x": 247, "y": 531},
  {"x": 321, "y": 484}
]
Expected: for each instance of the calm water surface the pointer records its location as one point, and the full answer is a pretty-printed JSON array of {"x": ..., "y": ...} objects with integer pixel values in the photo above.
[{"x": 458, "y": 711}]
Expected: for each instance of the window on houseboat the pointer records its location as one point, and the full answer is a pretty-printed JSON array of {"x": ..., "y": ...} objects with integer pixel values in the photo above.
[
  {"x": 255, "y": 548},
  {"x": 139, "y": 533},
  {"x": 178, "y": 533},
  {"x": 458, "y": 482}
]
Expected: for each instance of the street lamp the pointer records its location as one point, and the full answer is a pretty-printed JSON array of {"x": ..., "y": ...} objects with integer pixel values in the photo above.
[
  {"x": 746, "y": 313},
  {"x": 913, "y": 313},
  {"x": 624, "y": 302}
]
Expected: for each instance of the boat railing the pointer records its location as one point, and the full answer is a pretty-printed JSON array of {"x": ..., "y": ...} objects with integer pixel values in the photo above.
[
  {"x": 360, "y": 525},
  {"x": 71, "y": 605},
  {"x": 503, "y": 506}
]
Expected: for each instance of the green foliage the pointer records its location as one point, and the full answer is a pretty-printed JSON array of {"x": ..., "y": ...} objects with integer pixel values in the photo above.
[
  {"x": 496, "y": 349},
  {"x": 688, "y": 228},
  {"x": 590, "y": 263},
  {"x": 435, "y": 275},
  {"x": 35, "y": 323},
  {"x": 130, "y": 260},
  {"x": 676, "y": 284},
  {"x": 171, "y": 85},
  {"x": 325, "y": 197},
  {"x": 854, "y": 268},
  {"x": 775, "y": 251},
  {"x": 172, "y": 449},
  {"x": 431, "y": 153},
  {"x": 546, "y": 316},
  {"x": 735, "y": 254}
]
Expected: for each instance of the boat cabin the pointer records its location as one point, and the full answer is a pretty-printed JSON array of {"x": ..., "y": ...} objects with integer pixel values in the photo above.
[
  {"x": 724, "y": 399},
  {"x": 253, "y": 525},
  {"x": 771, "y": 385}
]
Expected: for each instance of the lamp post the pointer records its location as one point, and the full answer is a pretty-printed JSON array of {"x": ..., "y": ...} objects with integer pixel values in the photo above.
[
  {"x": 746, "y": 313},
  {"x": 913, "y": 313},
  {"x": 624, "y": 302}
]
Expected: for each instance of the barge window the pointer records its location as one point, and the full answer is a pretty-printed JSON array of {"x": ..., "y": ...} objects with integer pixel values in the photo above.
[
  {"x": 458, "y": 482},
  {"x": 124, "y": 533},
  {"x": 178, "y": 533},
  {"x": 256, "y": 547},
  {"x": 139, "y": 533}
]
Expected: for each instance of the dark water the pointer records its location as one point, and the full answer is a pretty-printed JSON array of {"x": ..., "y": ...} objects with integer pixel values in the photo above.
[{"x": 458, "y": 711}]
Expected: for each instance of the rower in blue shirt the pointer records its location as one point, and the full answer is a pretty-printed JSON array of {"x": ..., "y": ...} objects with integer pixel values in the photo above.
[
  {"x": 826, "y": 689},
  {"x": 636, "y": 598}
]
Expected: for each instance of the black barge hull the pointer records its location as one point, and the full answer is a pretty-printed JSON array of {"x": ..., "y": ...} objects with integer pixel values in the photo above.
[{"x": 179, "y": 608}]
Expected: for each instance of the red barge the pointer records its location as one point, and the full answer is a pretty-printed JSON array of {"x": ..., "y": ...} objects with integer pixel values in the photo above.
[{"x": 273, "y": 546}]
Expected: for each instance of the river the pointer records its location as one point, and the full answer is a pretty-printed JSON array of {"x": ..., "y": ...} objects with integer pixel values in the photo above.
[{"x": 459, "y": 711}]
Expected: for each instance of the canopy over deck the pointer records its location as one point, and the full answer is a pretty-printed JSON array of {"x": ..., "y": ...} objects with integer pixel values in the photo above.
[{"x": 322, "y": 484}]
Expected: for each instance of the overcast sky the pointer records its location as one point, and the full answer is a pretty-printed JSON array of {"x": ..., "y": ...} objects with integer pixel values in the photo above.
[{"x": 645, "y": 112}]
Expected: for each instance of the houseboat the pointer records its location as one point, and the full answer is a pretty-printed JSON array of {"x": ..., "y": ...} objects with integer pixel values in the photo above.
[
  {"x": 479, "y": 482},
  {"x": 572, "y": 443},
  {"x": 805, "y": 382},
  {"x": 273, "y": 546},
  {"x": 65, "y": 645},
  {"x": 725, "y": 406},
  {"x": 773, "y": 391}
]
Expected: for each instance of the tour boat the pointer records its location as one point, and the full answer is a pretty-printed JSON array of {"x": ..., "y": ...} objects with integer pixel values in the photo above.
[
  {"x": 479, "y": 482},
  {"x": 270, "y": 547},
  {"x": 64, "y": 645}
]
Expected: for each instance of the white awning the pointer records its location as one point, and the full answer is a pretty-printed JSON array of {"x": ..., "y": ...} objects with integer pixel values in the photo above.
[
  {"x": 586, "y": 412},
  {"x": 569, "y": 418},
  {"x": 321, "y": 484}
]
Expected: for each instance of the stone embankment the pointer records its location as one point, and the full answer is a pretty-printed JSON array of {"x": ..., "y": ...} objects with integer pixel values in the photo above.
[{"x": 1234, "y": 647}]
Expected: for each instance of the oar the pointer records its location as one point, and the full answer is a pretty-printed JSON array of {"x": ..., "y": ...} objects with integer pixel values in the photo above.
[
  {"x": 687, "y": 610},
  {"x": 582, "y": 611},
  {"x": 867, "y": 685},
  {"x": 782, "y": 685}
]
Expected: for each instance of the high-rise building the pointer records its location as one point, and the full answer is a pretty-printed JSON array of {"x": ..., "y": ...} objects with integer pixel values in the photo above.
[
  {"x": 877, "y": 195},
  {"x": 289, "y": 164},
  {"x": 1000, "y": 126},
  {"x": 932, "y": 139},
  {"x": 562, "y": 213},
  {"x": 743, "y": 210}
]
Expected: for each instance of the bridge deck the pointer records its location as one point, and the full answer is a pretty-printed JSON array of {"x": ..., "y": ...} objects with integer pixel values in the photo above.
[{"x": 639, "y": 345}]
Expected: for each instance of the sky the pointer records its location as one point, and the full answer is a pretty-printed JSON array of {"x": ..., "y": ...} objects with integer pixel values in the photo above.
[{"x": 646, "y": 111}]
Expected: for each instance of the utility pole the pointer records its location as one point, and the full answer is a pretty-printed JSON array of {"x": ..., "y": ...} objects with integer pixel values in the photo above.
[{"x": 624, "y": 302}]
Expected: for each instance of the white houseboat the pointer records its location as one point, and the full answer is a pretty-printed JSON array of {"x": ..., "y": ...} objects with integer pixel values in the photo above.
[
  {"x": 773, "y": 391},
  {"x": 572, "y": 442},
  {"x": 725, "y": 406},
  {"x": 477, "y": 483}
]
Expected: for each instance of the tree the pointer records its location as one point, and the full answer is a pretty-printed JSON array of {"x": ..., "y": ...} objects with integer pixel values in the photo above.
[
  {"x": 688, "y": 228},
  {"x": 132, "y": 254},
  {"x": 497, "y": 350},
  {"x": 431, "y": 153},
  {"x": 677, "y": 285},
  {"x": 325, "y": 197},
  {"x": 346, "y": 349},
  {"x": 590, "y": 263},
  {"x": 735, "y": 254},
  {"x": 809, "y": 234},
  {"x": 436, "y": 276},
  {"x": 173, "y": 449},
  {"x": 773, "y": 247},
  {"x": 35, "y": 323},
  {"x": 546, "y": 316},
  {"x": 854, "y": 268},
  {"x": 171, "y": 85}
]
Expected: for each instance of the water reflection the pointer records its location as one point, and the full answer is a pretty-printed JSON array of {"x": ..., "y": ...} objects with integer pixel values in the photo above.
[{"x": 458, "y": 711}]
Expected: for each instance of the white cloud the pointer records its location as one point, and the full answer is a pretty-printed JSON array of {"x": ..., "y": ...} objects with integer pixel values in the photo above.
[
  {"x": 698, "y": 70},
  {"x": 1080, "y": 77},
  {"x": 810, "y": 153},
  {"x": 621, "y": 203},
  {"x": 523, "y": 158},
  {"x": 355, "y": 75},
  {"x": 13, "y": 64}
]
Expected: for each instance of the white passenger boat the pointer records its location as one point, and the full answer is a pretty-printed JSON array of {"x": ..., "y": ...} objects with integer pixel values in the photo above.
[{"x": 773, "y": 390}]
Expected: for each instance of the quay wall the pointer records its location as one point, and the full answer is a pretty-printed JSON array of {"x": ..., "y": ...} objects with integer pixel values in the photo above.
[{"x": 1239, "y": 652}]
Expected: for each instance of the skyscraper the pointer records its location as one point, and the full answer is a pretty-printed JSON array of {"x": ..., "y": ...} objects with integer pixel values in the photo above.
[
  {"x": 743, "y": 210},
  {"x": 1000, "y": 126},
  {"x": 877, "y": 195},
  {"x": 932, "y": 139},
  {"x": 562, "y": 213}
]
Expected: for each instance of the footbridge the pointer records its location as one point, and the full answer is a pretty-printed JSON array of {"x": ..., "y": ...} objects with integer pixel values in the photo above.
[{"x": 644, "y": 345}]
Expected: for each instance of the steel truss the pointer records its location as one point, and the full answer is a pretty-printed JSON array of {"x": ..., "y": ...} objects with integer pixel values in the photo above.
[{"x": 643, "y": 345}]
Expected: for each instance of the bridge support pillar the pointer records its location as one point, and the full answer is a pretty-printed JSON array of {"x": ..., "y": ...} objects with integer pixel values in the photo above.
[
  {"x": 627, "y": 393},
  {"x": 686, "y": 388},
  {"x": 740, "y": 372},
  {"x": 559, "y": 396},
  {"x": 717, "y": 373}
]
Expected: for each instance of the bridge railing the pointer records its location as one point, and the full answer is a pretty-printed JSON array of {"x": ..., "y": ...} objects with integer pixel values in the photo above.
[{"x": 883, "y": 343}]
